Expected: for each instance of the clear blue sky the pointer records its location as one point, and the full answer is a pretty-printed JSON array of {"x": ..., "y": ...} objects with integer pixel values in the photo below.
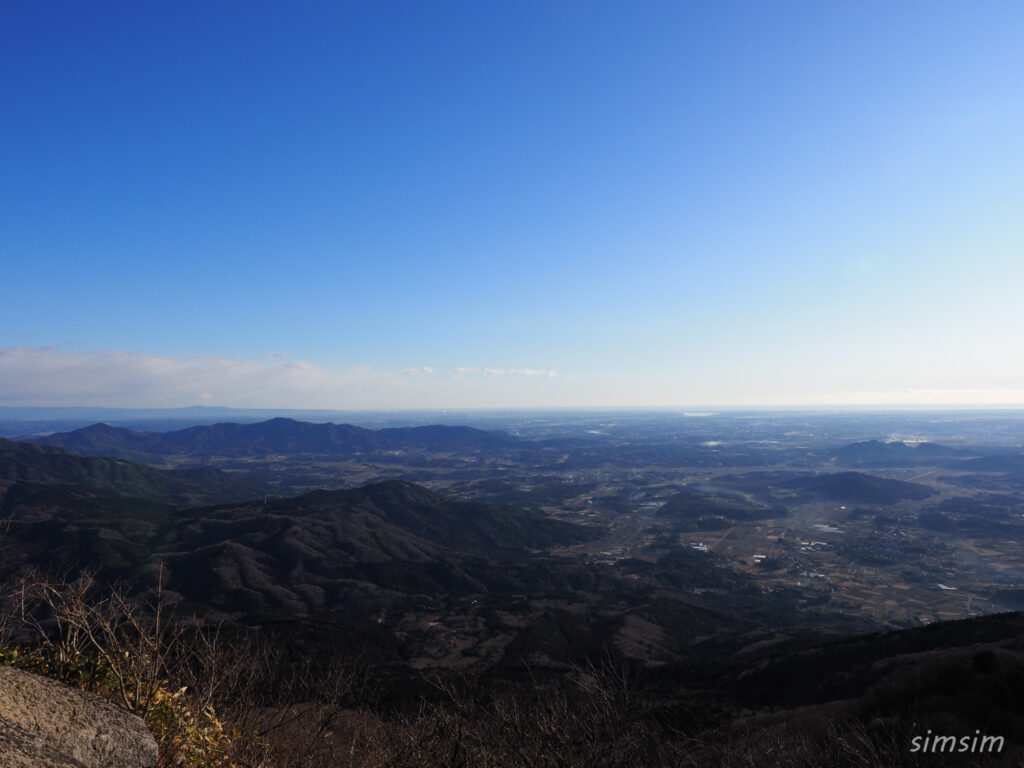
[{"x": 661, "y": 203}]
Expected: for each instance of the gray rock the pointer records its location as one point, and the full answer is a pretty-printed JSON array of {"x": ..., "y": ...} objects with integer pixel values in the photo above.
[
  {"x": 46, "y": 724},
  {"x": 20, "y": 749}
]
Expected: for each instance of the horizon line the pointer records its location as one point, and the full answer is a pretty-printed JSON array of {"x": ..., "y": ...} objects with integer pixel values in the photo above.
[{"x": 695, "y": 408}]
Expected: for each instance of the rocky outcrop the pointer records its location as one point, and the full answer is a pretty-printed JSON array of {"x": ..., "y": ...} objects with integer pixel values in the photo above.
[{"x": 46, "y": 724}]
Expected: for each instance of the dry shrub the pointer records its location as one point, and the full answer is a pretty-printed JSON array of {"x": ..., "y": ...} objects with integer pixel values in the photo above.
[
  {"x": 93, "y": 637},
  {"x": 589, "y": 719}
]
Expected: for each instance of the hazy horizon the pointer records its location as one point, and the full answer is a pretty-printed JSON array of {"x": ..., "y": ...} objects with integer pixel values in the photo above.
[{"x": 695, "y": 411}]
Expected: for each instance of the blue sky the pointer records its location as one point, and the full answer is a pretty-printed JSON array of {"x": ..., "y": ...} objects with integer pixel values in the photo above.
[{"x": 346, "y": 205}]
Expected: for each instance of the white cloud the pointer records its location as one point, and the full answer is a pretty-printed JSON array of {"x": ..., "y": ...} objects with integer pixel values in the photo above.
[
  {"x": 55, "y": 376},
  {"x": 465, "y": 371}
]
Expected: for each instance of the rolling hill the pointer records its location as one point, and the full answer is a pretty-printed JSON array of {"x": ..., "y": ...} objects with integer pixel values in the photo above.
[{"x": 24, "y": 462}]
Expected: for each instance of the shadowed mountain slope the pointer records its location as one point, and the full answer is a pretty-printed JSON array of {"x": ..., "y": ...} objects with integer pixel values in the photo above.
[
  {"x": 315, "y": 552},
  {"x": 367, "y": 523},
  {"x": 286, "y": 556},
  {"x": 958, "y": 677},
  {"x": 24, "y": 462}
]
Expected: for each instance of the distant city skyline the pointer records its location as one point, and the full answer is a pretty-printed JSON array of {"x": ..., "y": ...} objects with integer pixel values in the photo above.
[{"x": 463, "y": 205}]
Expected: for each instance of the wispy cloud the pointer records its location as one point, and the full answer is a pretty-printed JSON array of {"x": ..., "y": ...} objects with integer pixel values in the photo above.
[
  {"x": 505, "y": 371},
  {"x": 59, "y": 376}
]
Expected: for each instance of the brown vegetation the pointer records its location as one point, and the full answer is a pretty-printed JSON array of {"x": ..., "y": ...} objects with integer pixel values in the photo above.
[{"x": 220, "y": 697}]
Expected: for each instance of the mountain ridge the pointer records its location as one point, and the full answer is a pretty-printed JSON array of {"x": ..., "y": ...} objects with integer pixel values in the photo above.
[{"x": 275, "y": 436}]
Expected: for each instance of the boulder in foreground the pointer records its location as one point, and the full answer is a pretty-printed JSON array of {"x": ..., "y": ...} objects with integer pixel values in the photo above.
[{"x": 46, "y": 724}]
